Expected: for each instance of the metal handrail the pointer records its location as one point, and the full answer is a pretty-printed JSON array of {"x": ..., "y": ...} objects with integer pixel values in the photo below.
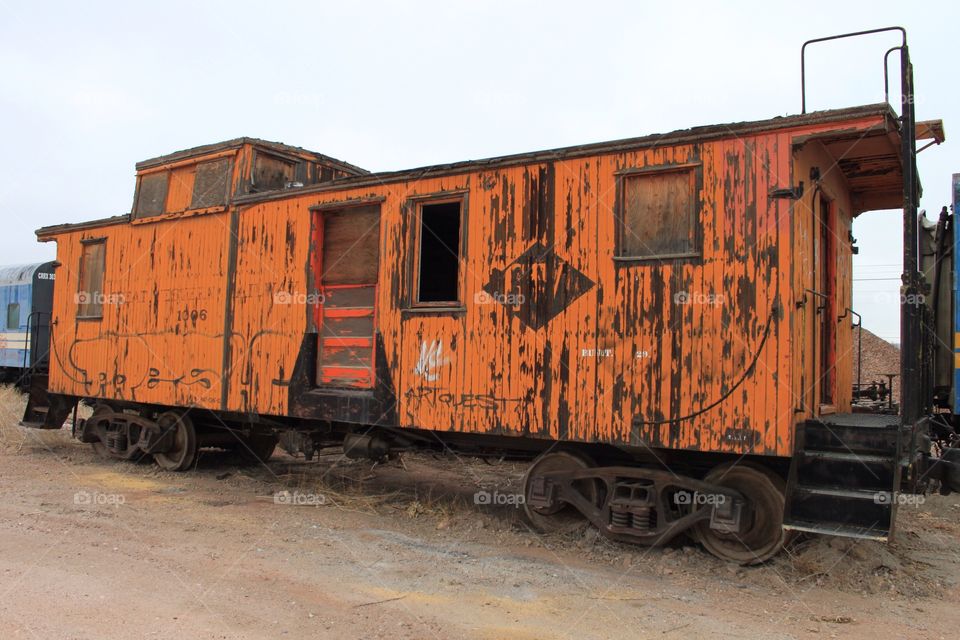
[
  {"x": 803, "y": 62},
  {"x": 33, "y": 318}
]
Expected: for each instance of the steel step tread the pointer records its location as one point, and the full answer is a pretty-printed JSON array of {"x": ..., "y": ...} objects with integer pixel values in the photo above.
[
  {"x": 865, "y": 421},
  {"x": 840, "y": 492},
  {"x": 838, "y": 529},
  {"x": 841, "y": 456}
]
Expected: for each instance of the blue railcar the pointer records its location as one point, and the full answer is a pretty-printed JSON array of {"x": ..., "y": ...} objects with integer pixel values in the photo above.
[
  {"x": 954, "y": 339},
  {"x": 26, "y": 298}
]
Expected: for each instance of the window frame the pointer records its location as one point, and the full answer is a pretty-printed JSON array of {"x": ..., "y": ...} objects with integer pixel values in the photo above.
[
  {"x": 292, "y": 160},
  {"x": 137, "y": 213},
  {"x": 416, "y": 203},
  {"x": 10, "y": 306},
  {"x": 85, "y": 244},
  {"x": 137, "y": 216},
  {"x": 695, "y": 169},
  {"x": 228, "y": 161}
]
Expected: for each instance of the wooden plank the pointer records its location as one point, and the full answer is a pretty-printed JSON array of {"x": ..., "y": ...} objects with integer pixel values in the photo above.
[
  {"x": 351, "y": 246},
  {"x": 347, "y": 327},
  {"x": 347, "y": 342},
  {"x": 349, "y": 297}
]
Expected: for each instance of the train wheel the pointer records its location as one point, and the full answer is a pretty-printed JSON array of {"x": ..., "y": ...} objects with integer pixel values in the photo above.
[
  {"x": 763, "y": 535},
  {"x": 560, "y": 517},
  {"x": 257, "y": 448},
  {"x": 98, "y": 447},
  {"x": 183, "y": 452}
]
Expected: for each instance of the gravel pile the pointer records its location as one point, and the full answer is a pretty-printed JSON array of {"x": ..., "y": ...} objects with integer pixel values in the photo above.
[{"x": 879, "y": 357}]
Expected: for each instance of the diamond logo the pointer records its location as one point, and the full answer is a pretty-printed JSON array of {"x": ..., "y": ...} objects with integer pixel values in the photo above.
[{"x": 537, "y": 286}]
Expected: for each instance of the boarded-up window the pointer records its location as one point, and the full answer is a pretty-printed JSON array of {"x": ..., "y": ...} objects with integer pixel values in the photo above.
[
  {"x": 272, "y": 172},
  {"x": 152, "y": 195},
  {"x": 90, "y": 293},
  {"x": 210, "y": 184},
  {"x": 658, "y": 214},
  {"x": 13, "y": 315},
  {"x": 351, "y": 246}
]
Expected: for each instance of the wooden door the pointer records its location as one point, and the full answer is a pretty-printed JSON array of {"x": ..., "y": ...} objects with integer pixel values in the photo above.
[
  {"x": 826, "y": 283},
  {"x": 350, "y": 250}
]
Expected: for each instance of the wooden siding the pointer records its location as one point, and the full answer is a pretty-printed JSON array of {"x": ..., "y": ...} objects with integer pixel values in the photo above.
[
  {"x": 160, "y": 338},
  {"x": 707, "y": 352}
]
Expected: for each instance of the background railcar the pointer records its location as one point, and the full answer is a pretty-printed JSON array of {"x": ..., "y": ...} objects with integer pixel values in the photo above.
[
  {"x": 662, "y": 319},
  {"x": 26, "y": 301}
]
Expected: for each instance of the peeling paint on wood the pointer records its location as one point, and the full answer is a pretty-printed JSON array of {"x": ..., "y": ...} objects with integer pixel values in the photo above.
[{"x": 555, "y": 339}]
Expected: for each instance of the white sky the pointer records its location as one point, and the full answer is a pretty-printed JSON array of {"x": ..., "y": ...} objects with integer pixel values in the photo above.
[{"x": 88, "y": 89}]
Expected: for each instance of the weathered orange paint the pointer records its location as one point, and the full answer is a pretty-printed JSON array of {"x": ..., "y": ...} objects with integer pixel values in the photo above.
[{"x": 714, "y": 353}]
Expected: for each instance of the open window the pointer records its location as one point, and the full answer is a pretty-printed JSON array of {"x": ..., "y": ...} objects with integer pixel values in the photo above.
[
  {"x": 90, "y": 292},
  {"x": 272, "y": 172},
  {"x": 13, "y": 316},
  {"x": 438, "y": 249},
  {"x": 658, "y": 213}
]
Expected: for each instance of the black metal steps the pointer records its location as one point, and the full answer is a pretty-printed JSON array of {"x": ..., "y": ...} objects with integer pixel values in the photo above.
[
  {"x": 45, "y": 410},
  {"x": 844, "y": 475},
  {"x": 38, "y": 403}
]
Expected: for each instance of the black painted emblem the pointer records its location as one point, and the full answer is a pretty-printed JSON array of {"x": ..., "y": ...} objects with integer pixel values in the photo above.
[{"x": 535, "y": 287}]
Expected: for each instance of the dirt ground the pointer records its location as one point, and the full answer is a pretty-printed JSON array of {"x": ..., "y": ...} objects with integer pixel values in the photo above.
[{"x": 337, "y": 549}]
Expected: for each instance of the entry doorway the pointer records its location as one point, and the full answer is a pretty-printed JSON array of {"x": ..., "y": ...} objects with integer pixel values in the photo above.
[
  {"x": 826, "y": 324},
  {"x": 349, "y": 246}
]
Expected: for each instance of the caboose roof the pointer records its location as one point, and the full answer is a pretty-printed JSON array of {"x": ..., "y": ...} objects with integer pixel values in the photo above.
[
  {"x": 692, "y": 135},
  {"x": 877, "y": 168},
  {"x": 236, "y": 143}
]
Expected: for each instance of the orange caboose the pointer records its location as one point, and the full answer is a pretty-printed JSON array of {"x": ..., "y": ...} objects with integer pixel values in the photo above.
[{"x": 644, "y": 311}]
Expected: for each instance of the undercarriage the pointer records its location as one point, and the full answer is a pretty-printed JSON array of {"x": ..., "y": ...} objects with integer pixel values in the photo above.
[{"x": 171, "y": 436}]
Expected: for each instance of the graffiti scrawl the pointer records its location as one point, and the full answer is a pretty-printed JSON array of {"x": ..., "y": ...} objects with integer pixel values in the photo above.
[{"x": 430, "y": 361}]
